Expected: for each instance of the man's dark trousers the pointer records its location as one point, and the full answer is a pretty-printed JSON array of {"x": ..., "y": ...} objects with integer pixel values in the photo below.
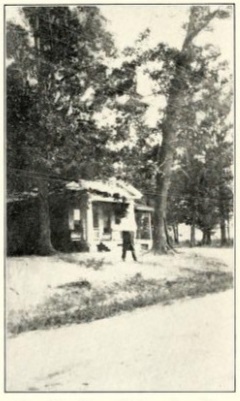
[{"x": 128, "y": 244}]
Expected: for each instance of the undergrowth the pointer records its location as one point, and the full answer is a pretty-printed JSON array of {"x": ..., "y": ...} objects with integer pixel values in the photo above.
[{"x": 79, "y": 301}]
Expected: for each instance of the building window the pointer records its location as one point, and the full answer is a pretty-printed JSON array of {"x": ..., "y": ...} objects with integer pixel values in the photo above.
[
  {"x": 76, "y": 214},
  {"x": 95, "y": 216},
  {"x": 107, "y": 222},
  {"x": 75, "y": 225},
  {"x": 143, "y": 225}
]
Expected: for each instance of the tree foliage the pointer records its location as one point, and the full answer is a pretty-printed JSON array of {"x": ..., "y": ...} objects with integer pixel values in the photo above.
[
  {"x": 60, "y": 78},
  {"x": 59, "y": 65},
  {"x": 183, "y": 77}
]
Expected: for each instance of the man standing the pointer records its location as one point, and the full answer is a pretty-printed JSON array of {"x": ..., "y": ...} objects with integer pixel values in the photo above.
[
  {"x": 128, "y": 227},
  {"x": 128, "y": 244}
]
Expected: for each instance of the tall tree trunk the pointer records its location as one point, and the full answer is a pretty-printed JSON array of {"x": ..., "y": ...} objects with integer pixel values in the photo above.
[
  {"x": 44, "y": 242},
  {"x": 160, "y": 244},
  {"x": 228, "y": 230},
  {"x": 208, "y": 236},
  {"x": 170, "y": 127},
  {"x": 159, "y": 236},
  {"x": 165, "y": 161},
  {"x": 222, "y": 217},
  {"x": 206, "y": 239},
  {"x": 192, "y": 238},
  {"x": 168, "y": 237},
  {"x": 175, "y": 233},
  {"x": 223, "y": 232}
]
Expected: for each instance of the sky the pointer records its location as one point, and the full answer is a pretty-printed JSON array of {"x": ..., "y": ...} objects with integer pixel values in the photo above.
[
  {"x": 165, "y": 22},
  {"x": 166, "y": 25}
]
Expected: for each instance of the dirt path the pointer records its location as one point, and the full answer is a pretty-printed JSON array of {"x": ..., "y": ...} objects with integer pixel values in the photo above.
[{"x": 187, "y": 346}]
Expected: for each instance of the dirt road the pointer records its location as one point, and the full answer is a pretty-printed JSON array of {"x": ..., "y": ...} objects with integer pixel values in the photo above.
[{"x": 186, "y": 346}]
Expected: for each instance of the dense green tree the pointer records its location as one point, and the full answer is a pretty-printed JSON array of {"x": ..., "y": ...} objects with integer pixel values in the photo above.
[
  {"x": 179, "y": 78},
  {"x": 56, "y": 61},
  {"x": 182, "y": 77},
  {"x": 200, "y": 194},
  {"x": 189, "y": 81},
  {"x": 60, "y": 78}
]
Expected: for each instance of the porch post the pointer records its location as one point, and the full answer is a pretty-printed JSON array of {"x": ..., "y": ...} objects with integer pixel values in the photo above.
[
  {"x": 150, "y": 226},
  {"x": 132, "y": 219},
  {"x": 90, "y": 231}
]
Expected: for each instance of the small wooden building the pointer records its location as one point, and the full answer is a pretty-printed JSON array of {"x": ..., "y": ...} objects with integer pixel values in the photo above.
[
  {"x": 107, "y": 206},
  {"x": 86, "y": 216}
]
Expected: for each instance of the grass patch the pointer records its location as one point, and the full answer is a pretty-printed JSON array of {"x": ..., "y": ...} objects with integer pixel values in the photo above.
[
  {"x": 76, "y": 284},
  {"x": 79, "y": 302},
  {"x": 92, "y": 263}
]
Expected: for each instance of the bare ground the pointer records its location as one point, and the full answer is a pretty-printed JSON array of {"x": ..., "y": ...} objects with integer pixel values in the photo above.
[{"x": 186, "y": 346}]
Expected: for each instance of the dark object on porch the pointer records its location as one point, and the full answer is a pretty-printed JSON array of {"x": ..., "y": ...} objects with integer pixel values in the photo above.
[{"x": 102, "y": 248}]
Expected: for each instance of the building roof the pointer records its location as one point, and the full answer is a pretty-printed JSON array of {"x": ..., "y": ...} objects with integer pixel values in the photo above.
[
  {"x": 144, "y": 208},
  {"x": 111, "y": 187}
]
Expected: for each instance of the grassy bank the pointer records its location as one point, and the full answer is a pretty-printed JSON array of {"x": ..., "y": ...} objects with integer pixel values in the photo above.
[{"x": 80, "y": 301}]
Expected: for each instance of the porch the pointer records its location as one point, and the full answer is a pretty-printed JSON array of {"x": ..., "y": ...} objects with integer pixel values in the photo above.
[
  {"x": 99, "y": 221},
  {"x": 100, "y": 226}
]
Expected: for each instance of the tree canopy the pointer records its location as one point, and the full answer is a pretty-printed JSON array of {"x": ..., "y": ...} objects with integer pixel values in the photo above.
[{"x": 62, "y": 78}]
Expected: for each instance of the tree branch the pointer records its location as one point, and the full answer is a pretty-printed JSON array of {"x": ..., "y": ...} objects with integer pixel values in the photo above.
[{"x": 191, "y": 35}]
